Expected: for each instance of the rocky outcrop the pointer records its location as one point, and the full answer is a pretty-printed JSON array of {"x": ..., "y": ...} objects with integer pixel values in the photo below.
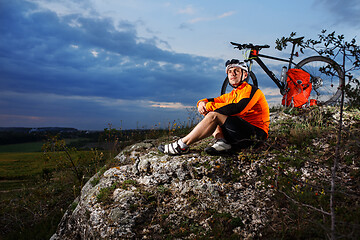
[
  {"x": 244, "y": 195},
  {"x": 154, "y": 196}
]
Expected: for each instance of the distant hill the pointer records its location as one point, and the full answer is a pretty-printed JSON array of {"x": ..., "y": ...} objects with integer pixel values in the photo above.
[
  {"x": 14, "y": 129},
  {"x": 12, "y": 135},
  {"x": 41, "y": 129}
]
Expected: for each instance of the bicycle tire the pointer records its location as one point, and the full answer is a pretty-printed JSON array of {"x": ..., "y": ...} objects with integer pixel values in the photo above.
[
  {"x": 225, "y": 88},
  {"x": 325, "y": 87}
]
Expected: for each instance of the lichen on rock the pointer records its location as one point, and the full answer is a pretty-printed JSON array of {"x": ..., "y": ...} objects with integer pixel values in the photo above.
[
  {"x": 151, "y": 195},
  {"x": 236, "y": 196}
]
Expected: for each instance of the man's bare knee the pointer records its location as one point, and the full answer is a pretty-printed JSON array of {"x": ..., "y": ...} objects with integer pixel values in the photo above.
[{"x": 216, "y": 117}]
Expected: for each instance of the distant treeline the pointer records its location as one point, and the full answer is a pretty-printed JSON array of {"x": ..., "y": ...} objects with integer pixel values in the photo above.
[
  {"x": 40, "y": 129},
  {"x": 24, "y": 135}
]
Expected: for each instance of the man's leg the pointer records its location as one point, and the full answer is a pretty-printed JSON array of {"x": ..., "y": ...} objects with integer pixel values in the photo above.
[
  {"x": 218, "y": 133},
  {"x": 208, "y": 126}
]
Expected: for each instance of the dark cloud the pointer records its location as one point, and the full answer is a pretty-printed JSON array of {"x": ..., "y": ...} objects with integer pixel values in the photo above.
[
  {"x": 347, "y": 12},
  {"x": 43, "y": 55},
  {"x": 42, "y": 52}
]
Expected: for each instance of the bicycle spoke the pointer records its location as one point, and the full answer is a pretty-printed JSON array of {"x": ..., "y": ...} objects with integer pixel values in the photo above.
[{"x": 324, "y": 78}]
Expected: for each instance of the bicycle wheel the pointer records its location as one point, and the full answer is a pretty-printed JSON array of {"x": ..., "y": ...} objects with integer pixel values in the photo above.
[
  {"x": 325, "y": 86},
  {"x": 226, "y": 88}
]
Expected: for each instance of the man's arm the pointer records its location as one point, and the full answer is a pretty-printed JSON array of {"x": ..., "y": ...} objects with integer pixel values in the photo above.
[
  {"x": 243, "y": 105},
  {"x": 233, "y": 108}
]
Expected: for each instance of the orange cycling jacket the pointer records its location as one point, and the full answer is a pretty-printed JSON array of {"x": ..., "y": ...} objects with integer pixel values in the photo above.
[{"x": 246, "y": 101}]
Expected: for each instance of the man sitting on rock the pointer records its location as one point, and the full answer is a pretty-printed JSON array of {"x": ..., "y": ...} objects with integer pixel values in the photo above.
[{"x": 237, "y": 119}]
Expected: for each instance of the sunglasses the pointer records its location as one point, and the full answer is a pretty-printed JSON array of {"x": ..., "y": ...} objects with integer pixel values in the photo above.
[{"x": 232, "y": 61}]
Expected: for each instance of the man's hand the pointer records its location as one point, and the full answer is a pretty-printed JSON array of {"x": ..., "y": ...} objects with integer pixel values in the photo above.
[{"x": 202, "y": 108}]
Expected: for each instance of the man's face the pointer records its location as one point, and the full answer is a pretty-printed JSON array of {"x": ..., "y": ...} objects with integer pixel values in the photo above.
[{"x": 236, "y": 75}]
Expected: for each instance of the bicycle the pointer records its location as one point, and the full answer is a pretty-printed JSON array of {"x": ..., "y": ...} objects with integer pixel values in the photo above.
[{"x": 326, "y": 75}]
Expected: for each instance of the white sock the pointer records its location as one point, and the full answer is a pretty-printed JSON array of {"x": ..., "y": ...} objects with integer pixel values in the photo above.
[{"x": 182, "y": 144}]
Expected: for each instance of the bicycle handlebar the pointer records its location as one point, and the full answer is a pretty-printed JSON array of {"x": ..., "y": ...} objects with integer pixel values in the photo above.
[{"x": 249, "y": 45}]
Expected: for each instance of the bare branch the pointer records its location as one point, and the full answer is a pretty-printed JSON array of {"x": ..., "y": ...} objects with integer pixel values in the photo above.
[{"x": 305, "y": 205}]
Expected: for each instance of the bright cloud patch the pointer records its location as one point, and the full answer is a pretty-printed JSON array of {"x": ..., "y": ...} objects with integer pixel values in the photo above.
[{"x": 172, "y": 105}]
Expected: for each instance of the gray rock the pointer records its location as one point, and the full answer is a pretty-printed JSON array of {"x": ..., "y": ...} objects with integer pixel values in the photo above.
[{"x": 150, "y": 195}]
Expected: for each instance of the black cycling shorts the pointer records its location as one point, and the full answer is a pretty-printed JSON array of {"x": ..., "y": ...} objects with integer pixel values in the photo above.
[{"x": 240, "y": 133}]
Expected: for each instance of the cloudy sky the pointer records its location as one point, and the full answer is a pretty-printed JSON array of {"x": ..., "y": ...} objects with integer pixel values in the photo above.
[{"x": 139, "y": 63}]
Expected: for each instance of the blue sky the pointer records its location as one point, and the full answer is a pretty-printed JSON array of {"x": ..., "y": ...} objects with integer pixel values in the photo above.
[{"x": 138, "y": 63}]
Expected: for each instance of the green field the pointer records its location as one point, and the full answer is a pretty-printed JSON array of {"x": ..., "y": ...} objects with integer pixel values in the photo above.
[
  {"x": 24, "y": 186},
  {"x": 34, "y": 193},
  {"x": 32, "y": 146},
  {"x": 23, "y": 160},
  {"x": 21, "y": 165},
  {"x": 21, "y": 147}
]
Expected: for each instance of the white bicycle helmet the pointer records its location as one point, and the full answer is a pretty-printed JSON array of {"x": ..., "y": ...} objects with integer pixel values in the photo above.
[{"x": 235, "y": 63}]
